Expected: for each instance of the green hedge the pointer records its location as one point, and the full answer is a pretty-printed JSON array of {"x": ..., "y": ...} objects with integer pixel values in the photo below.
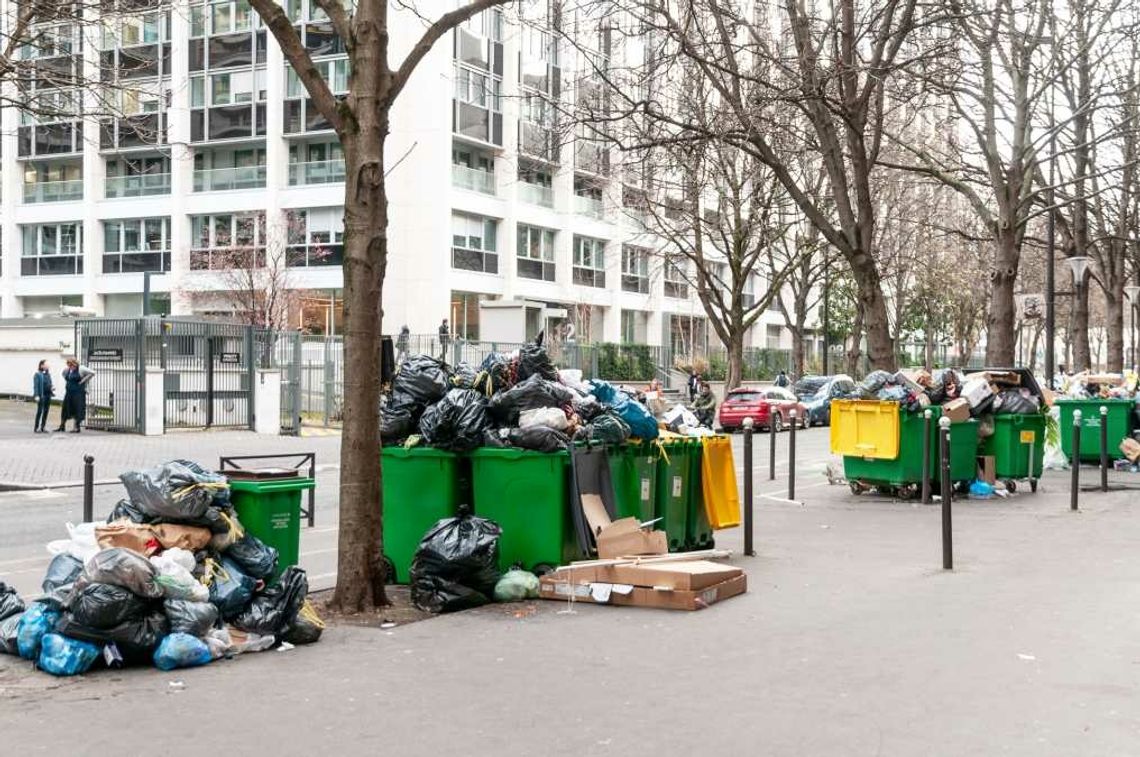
[{"x": 625, "y": 362}]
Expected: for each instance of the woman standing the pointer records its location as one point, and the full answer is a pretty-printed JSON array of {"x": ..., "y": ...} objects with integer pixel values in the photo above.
[
  {"x": 75, "y": 378},
  {"x": 43, "y": 391}
]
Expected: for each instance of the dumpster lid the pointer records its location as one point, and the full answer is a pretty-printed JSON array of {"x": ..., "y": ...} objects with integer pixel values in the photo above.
[{"x": 260, "y": 474}]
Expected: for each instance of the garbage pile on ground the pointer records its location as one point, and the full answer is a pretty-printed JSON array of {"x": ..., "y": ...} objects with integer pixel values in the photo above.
[
  {"x": 171, "y": 579},
  {"x": 1089, "y": 385}
]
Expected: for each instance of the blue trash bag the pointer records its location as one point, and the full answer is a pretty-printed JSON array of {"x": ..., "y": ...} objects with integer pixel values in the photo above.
[
  {"x": 231, "y": 590},
  {"x": 641, "y": 422},
  {"x": 38, "y": 621},
  {"x": 181, "y": 650},
  {"x": 62, "y": 656},
  {"x": 603, "y": 391},
  {"x": 981, "y": 490}
]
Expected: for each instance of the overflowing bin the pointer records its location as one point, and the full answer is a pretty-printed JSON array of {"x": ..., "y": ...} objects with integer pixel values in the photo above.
[
  {"x": 633, "y": 469},
  {"x": 1018, "y": 448},
  {"x": 1119, "y": 420},
  {"x": 675, "y": 469},
  {"x": 270, "y": 509},
  {"x": 421, "y": 486}
]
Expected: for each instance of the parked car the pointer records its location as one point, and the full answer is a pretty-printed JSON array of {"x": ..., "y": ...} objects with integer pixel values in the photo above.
[
  {"x": 769, "y": 407},
  {"x": 817, "y": 392}
]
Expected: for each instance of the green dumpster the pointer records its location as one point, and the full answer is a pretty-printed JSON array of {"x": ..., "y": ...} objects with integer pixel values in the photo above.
[
  {"x": 271, "y": 511},
  {"x": 633, "y": 469},
  {"x": 698, "y": 531},
  {"x": 1017, "y": 446},
  {"x": 674, "y": 491},
  {"x": 421, "y": 486},
  {"x": 527, "y": 493},
  {"x": 1119, "y": 421}
]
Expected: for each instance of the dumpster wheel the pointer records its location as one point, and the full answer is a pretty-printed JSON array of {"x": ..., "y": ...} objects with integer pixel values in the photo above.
[
  {"x": 543, "y": 568},
  {"x": 389, "y": 571},
  {"x": 1010, "y": 485},
  {"x": 857, "y": 488}
]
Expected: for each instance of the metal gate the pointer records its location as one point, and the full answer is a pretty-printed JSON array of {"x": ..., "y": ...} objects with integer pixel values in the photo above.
[
  {"x": 283, "y": 352},
  {"x": 113, "y": 348},
  {"x": 208, "y": 374}
]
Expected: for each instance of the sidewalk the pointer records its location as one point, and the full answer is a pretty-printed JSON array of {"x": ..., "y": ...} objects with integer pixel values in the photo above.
[{"x": 30, "y": 460}]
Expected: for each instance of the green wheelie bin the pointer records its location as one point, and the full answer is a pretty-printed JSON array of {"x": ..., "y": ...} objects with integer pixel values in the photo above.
[
  {"x": 1119, "y": 421},
  {"x": 421, "y": 486},
  {"x": 270, "y": 509},
  {"x": 1018, "y": 448},
  {"x": 528, "y": 494},
  {"x": 633, "y": 469},
  {"x": 698, "y": 531},
  {"x": 674, "y": 491}
]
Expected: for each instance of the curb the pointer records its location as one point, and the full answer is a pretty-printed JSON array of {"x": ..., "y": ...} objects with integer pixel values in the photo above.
[{"x": 20, "y": 486}]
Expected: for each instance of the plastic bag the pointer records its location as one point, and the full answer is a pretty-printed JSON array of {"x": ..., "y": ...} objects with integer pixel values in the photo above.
[
  {"x": 229, "y": 588},
  {"x": 253, "y": 556},
  {"x": 194, "y": 618},
  {"x": 551, "y": 417},
  {"x": 981, "y": 490},
  {"x": 1054, "y": 458},
  {"x": 272, "y": 611},
  {"x": 80, "y": 543},
  {"x": 533, "y": 361},
  {"x": 421, "y": 380},
  {"x": 127, "y": 534},
  {"x": 121, "y": 567},
  {"x": 37, "y": 621},
  {"x": 181, "y": 650},
  {"x": 588, "y": 407},
  {"x": 61, "y": 573},
  {"x": 62, "y": 656},
  {"x": 678, "y": 417},
  {"x": 1013, "y": 402},
  {"x": 135, "y": 639},
  {"x": 106, "y": 606},
  {"x": 307, "y": 627},
  {"x": 641, "y": 422},
  {"x": 531, "y": 394},
  {"x": 606, "y": 428},
  {"x": 875, "y": 381},
  {"x": 455, "y": 565},
  {"x": 456, "y": 422},
  {"x": 175, "y": 581},
  {"x": 494, "y": 375},
  {"x": 174, "y": 491},
  {"x": 496, "y": 438},
  {"x": 10, "y": 602},
  {"x": 396, "y": 424},
  {"x": 9, "y": 633},
  {"x": 539, "y": 439},
  {"x": 464, "y": 377},
  {"x": 234, "y": 641},
  {"x": 516, "y": 585}
]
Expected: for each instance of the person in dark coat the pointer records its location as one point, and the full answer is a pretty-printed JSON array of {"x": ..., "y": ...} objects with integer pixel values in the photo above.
[
  {"x": 694, "y": 384},
  {"x": 75, "y": 378},
  {"x": 43, "y": 391},
  {"x": 782, "y": 380}
]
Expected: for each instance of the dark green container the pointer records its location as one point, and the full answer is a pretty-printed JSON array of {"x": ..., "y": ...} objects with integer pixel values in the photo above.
[
  {"x": 421, "y": 486},
  {"x": 271, "y": 510},
  {"x": 906, "y": 469},
  {"x": 698, "y": 534},
  {"x": 633, "y": 469},
  {"x": 1120, "y": 421},
  {"x": 674, "y": 492},
  {"x": 1016, "y": 439}
]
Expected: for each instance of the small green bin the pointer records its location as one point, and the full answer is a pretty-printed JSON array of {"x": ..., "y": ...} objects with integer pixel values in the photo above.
[
  {"x": 699, "y": 533},
  {"x": 633, "y": 469},
  {"x": 1017, "y": 439},
  {"x": 1119, "y": 420},
  {"x": 674, "y": 491},
  {"x": 421, "y": 486},
  {"x": 527, "y": 493},
  {"x": 906, "y": 469},
  {"x": 271, "y": 510}
]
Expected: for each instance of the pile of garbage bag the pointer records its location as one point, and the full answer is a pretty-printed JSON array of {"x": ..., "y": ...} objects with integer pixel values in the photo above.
[{"x": 171, "y": 579}]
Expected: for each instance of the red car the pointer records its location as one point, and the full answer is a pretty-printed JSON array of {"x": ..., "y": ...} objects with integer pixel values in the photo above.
[{"x": 772, "y": 406}]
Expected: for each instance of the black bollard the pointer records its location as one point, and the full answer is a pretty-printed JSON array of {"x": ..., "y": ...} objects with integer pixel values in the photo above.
[
  {"x": 88, "y": 488},
  {"x": 1075, "y": 485},
  {"x": 926, "y": 445},
  {"x": 748, "y": 550},
  {"x": 792, "y": 456},
  {"x": 1103, "y": 448},
  {"x": 947, "y": 491},
  {"x": 771, "y": 445}
]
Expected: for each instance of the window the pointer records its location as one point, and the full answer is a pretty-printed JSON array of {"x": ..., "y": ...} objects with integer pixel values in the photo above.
[
  {"x": 772, "y": 336},
  {"x": 315, "y": 236},
  {"x": 472, "y": 169},
  {"x": 477, "y": 105},
  {"x": 535, "y": 253},
  {"x": 634, "y": 269},
  {"x": 589, "y": 262},
  {"x": 473, "y": 243},
  {"x": 136, "y": 244},
  {"x": 676, "y": 282},
  {"x": 52, "y": 249},
  {"x": 227, "y": 240}
]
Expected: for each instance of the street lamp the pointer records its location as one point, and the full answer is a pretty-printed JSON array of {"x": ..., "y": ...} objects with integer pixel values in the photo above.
[
  {"x": 1078, "y": 264},
  {"x": 1132, "y": 292}
]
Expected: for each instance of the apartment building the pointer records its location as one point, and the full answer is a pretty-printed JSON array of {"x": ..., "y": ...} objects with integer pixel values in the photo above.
[{"x": 214, "y": 149}]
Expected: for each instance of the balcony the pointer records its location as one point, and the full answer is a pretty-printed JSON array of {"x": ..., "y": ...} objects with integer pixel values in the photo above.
[
  {"x": 588, "y": 206},
  {"x": 53, "y": 191},
  {"x": 138, "y": 185},
  {"x": 51, "y": 265},
  {"x": 226, "y": 179},
  {"x": 536, "y": 194},
  {"x": 472, "y": 179},
  {"x": 316, "y": 172}
]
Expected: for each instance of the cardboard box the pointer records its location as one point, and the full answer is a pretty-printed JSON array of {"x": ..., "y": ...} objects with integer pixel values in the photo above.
[
  {"x": 957, "y": 410},
  {"x": 626, "y": 538},
  {"x": 689, "y": 575},
  {"x": 975, "y": 390},
  {"x": 624, "y": 595},
  {"x": 1131, "y": 449},
  {"x": 986, "y": 469}
]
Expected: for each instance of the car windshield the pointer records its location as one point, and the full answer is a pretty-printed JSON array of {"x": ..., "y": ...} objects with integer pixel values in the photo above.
[
  {"x": 809, "y": 387},
  {"x": 744, "y": 397}
]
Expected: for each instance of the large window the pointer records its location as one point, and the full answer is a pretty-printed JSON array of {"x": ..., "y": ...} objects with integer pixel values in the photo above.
[
  {"x": 634, "y": 269},
  {"x": 134, "y": 245},
  {"x": 228, "y": 240},
  {"x": 227, "y": 85},
  {"x": 473, "y": 243},
  {"x": 52, "y": 249},
  {"x": 535, "y": 253},
  {"x": 316, "y": 236},
  {"x": 301, "y": 115},
  {"x": 316, "y": 163},
  {"x": 676, "y": 281},
  {"x": 589, "y": 262},
  {"x": 478, "y": 73}
]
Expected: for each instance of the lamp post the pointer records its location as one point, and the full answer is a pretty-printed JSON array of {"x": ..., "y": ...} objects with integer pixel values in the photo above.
[{"x": 1132, "y": 292}]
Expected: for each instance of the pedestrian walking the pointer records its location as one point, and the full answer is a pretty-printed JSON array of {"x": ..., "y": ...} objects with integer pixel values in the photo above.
[
  {"x": 782, "y": 380},
  {"x": 402, "y": 344},
  {"x": 444, "y": 339},
  {"x": 75, "y": 380},
  {"x": 43, "y": 391}
]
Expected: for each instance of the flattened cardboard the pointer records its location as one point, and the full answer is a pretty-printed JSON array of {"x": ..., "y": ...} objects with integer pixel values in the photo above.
[
  {"x": 640, "y": 596},
  {"x": 958, "y": 411},
  {"x": 626, "y": 538},
  {"x": 690, "y": 575}
]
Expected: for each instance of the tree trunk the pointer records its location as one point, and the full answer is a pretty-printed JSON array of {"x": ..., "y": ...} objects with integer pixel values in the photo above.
[
  {"x": 1037, "y": 328},
  {"x": 1082, "y": 353},
  {"x": 929, "y": 360},
  {"x": 1114, "y": 310},
  {"x": 1000, "y": 319},
  {"x": 853, "y": 352},
  {"x": 797, "y": 352},
  {"x": 734, "y": 372},
  {"x": 360, "y": 566},
  {"x": 872, "y": 313}
]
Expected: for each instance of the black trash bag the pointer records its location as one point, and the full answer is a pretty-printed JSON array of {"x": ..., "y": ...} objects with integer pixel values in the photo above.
[
  {"x": 421, "y": 381},
  {"x": 275, "y": 609},
  {"x": 985, "y": 407},
  {"x": 456, "y": 564},
  {"x": 173, "y": 491},
  {"x": 1013, "y": 402},
  {"x": 539, "y": 439},
  {"x": 494, "y": 374},
  {"x": 106, "y": 606},
  {"x": 607, "y": 428},
  {"x": 536, "y": 392},
  {"x": 127, "y": 510},
  {"x": 875, "y": 381},
  {"x": 10, "y": 602},
  {"x": 253, "y": 556},
  {"x": 121, "y": 567},
  {"x": 307, "y": 627},
  {"x": 588, "y": 407},
  {"x": 495, "y": 438},
  {"x": 221, "y": 494},
  {"x": 231, "y": 589},
  {"x": 136, "y": 639},
  {"x": 464, "y": 377},
  {"x": 456, "y": 422},
  {"x": 396, "y": 424},
  {"x": 61, "y": 573},
  {"x": 9, "y": 628},
  {"x": 194, "y": 618},
  {"x": 533, "y": 361}
]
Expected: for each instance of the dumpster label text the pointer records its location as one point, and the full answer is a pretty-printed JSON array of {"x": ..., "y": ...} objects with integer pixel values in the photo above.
[
  {"x": 281, "y": 521},
  {"x": 676, "y": 486},
  {"x": 645, "y": 490},
  {"x": 1028, "y": 437}
]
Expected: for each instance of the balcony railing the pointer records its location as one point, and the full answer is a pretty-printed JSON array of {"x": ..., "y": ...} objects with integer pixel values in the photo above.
[
  {"x": 51, "y": 265},
  {"x": 136, "y": 262},
  {"x": 227, "y": 258},
  {"x": 473, "y": 179},
  {"x": 53, "y": 191},
  {"x": 316, "y": 172},
  {"x": 536, "y": 194},
  {"x": 138, "y": 185},
  {"x": 223, "y": 179},
  {"x": 588, "y": 206}
]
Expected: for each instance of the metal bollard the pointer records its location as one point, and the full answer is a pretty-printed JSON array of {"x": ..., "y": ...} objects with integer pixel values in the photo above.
[
  {"x": 1075, "y": 485},
  {"x": 1103, "y": 448},
  {"x": 88, "y": 488},
  {"x": 926, "y": 416},
  {"x": 947, "y": 492},
  {"x": 748, "y": 550},
  {"x": 771, "y": 446},
  {"x": 792, "y": 456}
]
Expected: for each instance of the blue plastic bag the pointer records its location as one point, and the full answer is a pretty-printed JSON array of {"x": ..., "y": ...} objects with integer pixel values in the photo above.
[
  {"x": 231, "y": 589},
  {"x": 38, "y": 621},
  {"x": 641, "y": 422},
  {"x": 181, "y": 650},
  {"x": 981, "y": 490},
  {"x": 62, "y": 656}
]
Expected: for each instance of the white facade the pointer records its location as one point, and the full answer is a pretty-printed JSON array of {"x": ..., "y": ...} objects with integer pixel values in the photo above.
[{"x": 237, "y": 145}]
